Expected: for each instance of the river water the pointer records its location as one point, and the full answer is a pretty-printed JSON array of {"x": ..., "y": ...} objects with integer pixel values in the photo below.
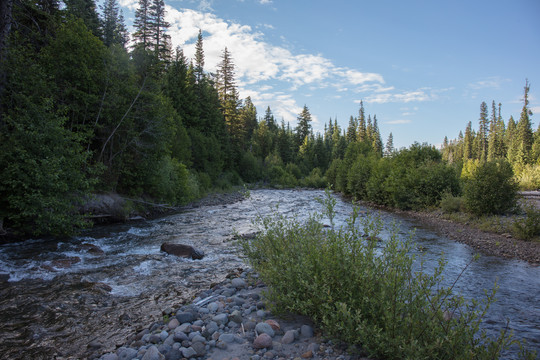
[{"x": 83, "y": 296}]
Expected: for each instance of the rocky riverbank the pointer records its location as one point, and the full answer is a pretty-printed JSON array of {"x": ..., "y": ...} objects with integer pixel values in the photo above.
[
  {"x": 230, "y": 321},
  {"x": 489, "y": 243}
]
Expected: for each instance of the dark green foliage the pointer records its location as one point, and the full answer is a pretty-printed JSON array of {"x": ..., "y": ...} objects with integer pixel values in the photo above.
[
  {"x": 251, "y": 168},
  {"x": 491, "y": 189},
  {"x": 42, "y": 165}
]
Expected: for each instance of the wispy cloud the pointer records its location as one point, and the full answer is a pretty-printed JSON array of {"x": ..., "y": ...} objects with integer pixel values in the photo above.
[
  {"x": 398, "y": 122},
  {"x": 419, "y": 95},
  {"x": 493, "y": 82}
]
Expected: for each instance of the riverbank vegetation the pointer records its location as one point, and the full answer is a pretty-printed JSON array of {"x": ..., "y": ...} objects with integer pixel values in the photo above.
[
  {"x": 83, "y": 110},
  {"x": 368, "y": 292}
]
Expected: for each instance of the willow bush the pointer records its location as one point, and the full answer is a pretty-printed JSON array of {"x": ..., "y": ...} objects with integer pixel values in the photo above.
[{"x": 368, "y": 292}]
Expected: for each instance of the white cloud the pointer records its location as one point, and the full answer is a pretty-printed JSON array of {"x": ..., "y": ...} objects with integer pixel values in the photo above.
[
  {"x": 265, "y": 1},
  {"x": 260, "y": 63},
  {"x": 130, "y": 4}
]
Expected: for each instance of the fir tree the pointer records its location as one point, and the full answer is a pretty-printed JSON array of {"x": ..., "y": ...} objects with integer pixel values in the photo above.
[
  {"x": 389, "y": 149},
  {"x": 269, "y": 119},
  {"x": 524, "y": 131},
  {"x": 376, "y": 135},
  {"x": 481, "y": 138},
  {"x": 362, "y": 130},
  {"x": 468, "y": 143},
  {"x": 351, "y": 130},
  {"x": 85, "y": 10},
  {"x": 113, "y": 27},
  {"x": 143, "y": 25},
  {"x": 303, "y": 128},
  {"x": 199, "y": 57}
]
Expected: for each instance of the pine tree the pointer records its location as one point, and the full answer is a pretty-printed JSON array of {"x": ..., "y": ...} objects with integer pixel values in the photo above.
[
  {"x": 369, "y": 131},
  {"x": 482, "y": 139},
  {"x": 303, "y": 129},
  {"x": 228, "y": 96},
  {"x": 376, "y": 135},
  {"x": 269, "y": 119},
  {"x": 468, "y": 143},
  {"x": 113, "y": 27},
  {"x": 248, "y": 119},
  {"x": 524, "y": 131},
  {"x": 143, "y": 25},
  {"x": 389, "y": 149},
  {"x": 351, "y": 130},
  {"x": 85, "y": 10},
  {"x": 362, "y": 130},
  {"x": 199, "y": 57},
  {"x": 161, "y": 40}
]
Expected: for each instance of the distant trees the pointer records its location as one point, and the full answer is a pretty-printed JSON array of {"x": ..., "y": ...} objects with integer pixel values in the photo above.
[{"x": 513, "y": 142}]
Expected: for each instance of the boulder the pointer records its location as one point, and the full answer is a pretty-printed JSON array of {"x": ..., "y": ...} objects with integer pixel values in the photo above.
[{"x": 182, "y": 250}]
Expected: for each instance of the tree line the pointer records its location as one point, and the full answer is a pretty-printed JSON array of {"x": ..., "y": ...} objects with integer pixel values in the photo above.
[
  {"x": 514, "y": 142},
  {"x": 83, "y": 110}
]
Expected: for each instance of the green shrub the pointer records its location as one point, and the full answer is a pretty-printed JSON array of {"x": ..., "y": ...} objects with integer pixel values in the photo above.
[
  {"x": 529, "y": 177},
  {"x": 491, "y": 189},
  {"x": 528, "y": 226},
  {"x": 450, "y": 203},
  {"x": 250, "y": 168},
  {"x": 315, "y": 179},
  {"x": 365, "y": 294},
  {"x": 294, "y": 170},
  {"x": 358, "y": 176}
]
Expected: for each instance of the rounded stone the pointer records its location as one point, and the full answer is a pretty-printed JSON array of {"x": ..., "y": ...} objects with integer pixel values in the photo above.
[
  {"x": 306, "y": 331},
  {"x": 239, "y": 283},
  {"x": 184, "y": 317},
  {"x": 288, "y": 338},
  {"x": 262, "y": 341},
  {"x": 152, "y": 353},
  {"x": 126, "y": 353},
  {"x": 227, "y": 338},
  {"x": 173, "y": 324},
  {"x": 274, "y": 324},
  {"x": 221, "y": 319},
  {"x": 264, "y": 328}
]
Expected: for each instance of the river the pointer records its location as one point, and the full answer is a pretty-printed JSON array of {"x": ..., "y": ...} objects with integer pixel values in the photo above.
[{"x": 82, "y": 296}]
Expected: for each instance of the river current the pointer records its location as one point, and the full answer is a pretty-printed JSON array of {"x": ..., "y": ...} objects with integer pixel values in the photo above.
[{"x": 82, "y": 296}]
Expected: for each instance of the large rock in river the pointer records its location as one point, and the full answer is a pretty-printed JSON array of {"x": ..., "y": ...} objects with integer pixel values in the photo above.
[{"x": 182, "y": 251}]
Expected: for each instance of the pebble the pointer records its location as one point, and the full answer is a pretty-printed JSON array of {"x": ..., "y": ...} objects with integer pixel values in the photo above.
[{"x": 228, "y": 319}]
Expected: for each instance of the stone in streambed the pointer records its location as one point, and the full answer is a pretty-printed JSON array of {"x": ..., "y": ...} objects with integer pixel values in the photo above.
[
  {"x": 262, "y": 341},
  {"x": 153, "y": 354},
  {"x": 188, "y": 352},
  {"x": 185, "y": 317},
  {"x": 182, "y": 250},
  {"x": 264, "y": 328},
  {"x": 288, "y": 338},
  {"x": 221, "y": 319},
  {"x": 126, "y": 353},
  {"x": 239, "y": 283},
  {"x": 306, "y": 331}
]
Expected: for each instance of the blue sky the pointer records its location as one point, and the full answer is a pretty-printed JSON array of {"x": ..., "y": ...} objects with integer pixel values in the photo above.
[{"x": 422, "y": 67}]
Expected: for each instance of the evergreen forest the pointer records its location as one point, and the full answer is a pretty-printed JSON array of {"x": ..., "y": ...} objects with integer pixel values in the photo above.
[{"x": 86, "y": 107}]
